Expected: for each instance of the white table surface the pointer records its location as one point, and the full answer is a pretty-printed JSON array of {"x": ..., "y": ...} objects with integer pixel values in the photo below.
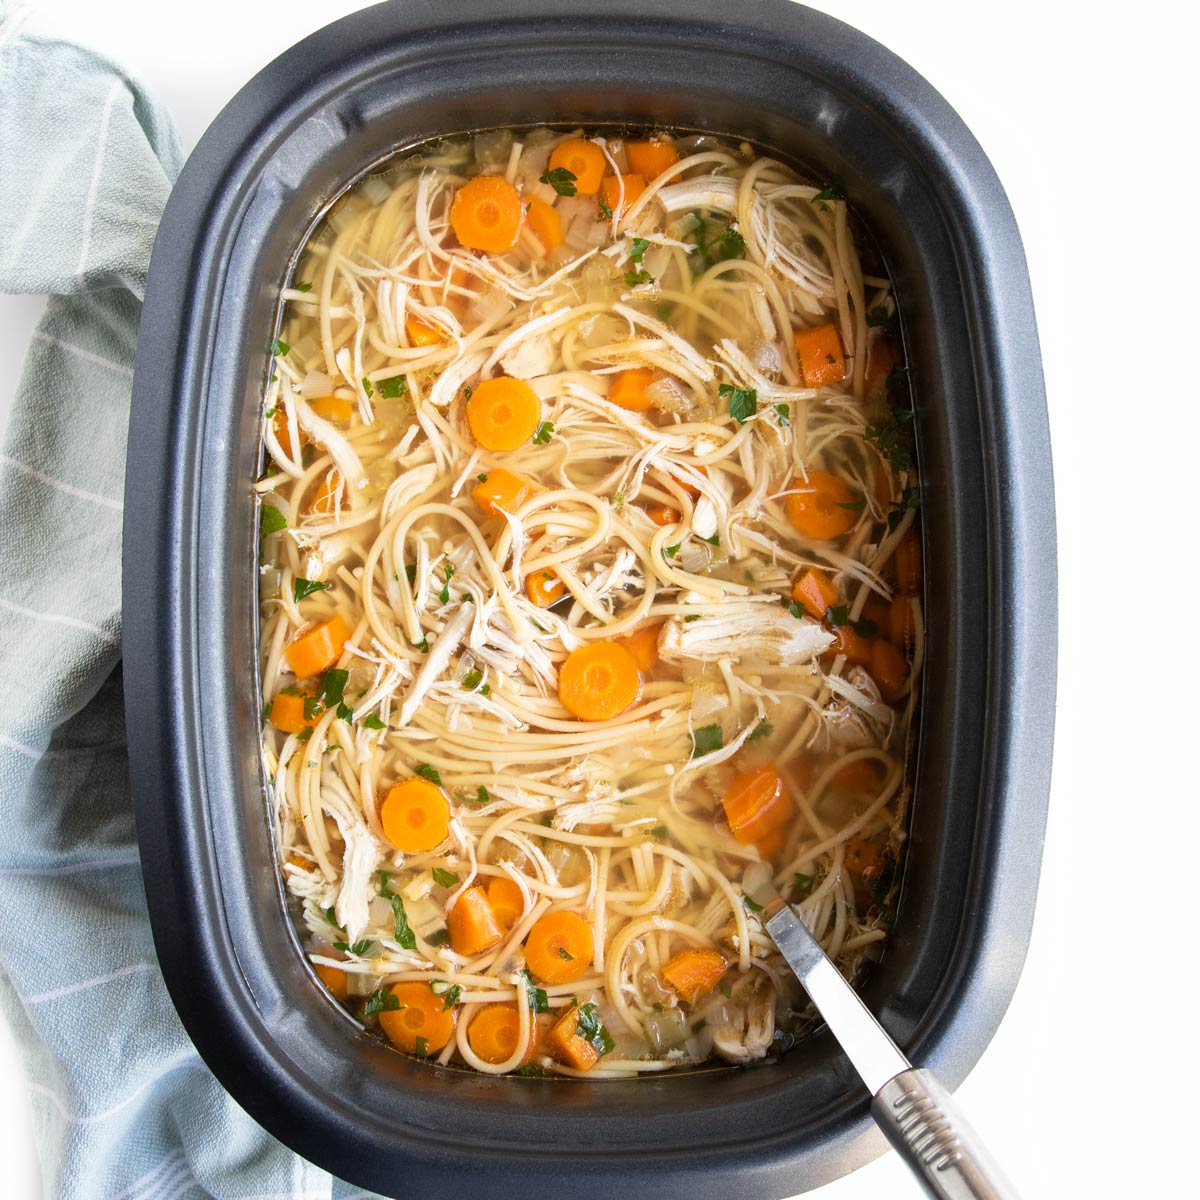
[{"x": 1082, "y": 1091}]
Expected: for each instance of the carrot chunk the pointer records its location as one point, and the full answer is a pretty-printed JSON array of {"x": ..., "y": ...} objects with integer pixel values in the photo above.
[
  {"x": 820, "y": 353},
  {"x": 318, "y": 649},
  {"x": 859, "y": 776},
  {"x": 332, "y": 408},
  {"x": 906, "y": 564},
  {"x": 585, "y": 160},
  {"x": 612, "y": 187},
  {"x": 771, "y": 846},
  {"x": 643, "y": 645},
  {"x": 756, "y": 804},
  {"x": 287, "y": 712},
  {"x": 545, "y": 222},
  {"x": 508, "y": 905},
  {"x": 544, "y": 588},
  {"x": 693, "y": 972},
  {"x": 415, "y": 815},
  {"x": 887, "y": 667},
  {"x": 422, "y": 1023},
  {"x": 494, "y": 1032},
  {"x": 503, "y": 413},
  {"x": 902, "y": 622},
  {"x": 881, "y": 359},
  {"x": 650, "y": 159},
  {"x": 501, "y": 491},
  {"x": 486, "y": 214},
  {"x": 325, "y": 497},
  {"x": 815, "y": 591},
  {"x": 599, "y": 681},
  {"x": 559, "y": 947},
  {"x": 338, "y": 982},
  {"x": 856, "y": 648},
  {"x": 822, "y": 508},
  {"x": 421, "y": 333},
  {"x": 629, "y": 389},
  {"x": 663, "y": 515},
  {"x": 566, "y": 1043},
  {"x": 472, "y": 923}
]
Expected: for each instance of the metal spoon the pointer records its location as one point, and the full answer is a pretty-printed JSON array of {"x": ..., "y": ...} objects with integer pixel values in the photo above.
[{"x": 916, "y": 1113}]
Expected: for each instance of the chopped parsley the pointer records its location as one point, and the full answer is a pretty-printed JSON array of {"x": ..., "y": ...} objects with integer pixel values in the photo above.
[
  {"x": 752, "y": 905},
  {"x": 802, "y": 884},
  {"x": 444, "y": 878},
  {"x": 910, "y": 498},
  {"x": 727, "y": 244},
  {"x": 422, "y": 645},
  {"x": 671, "y": 551},
  {"x": 706, "y": 739},
  {"x": 891, "y": 438},
  {"x": 797, "y": 610},
  {"x": 543, "y": 434},
  {"x": 404, "y": 934},
  {"x": 451, "y": 992},
  {"x": 561, "y": 180},
  {"x": 481, "y": 478},
  {"x": 538, "y": 1001},
  {"x": 836, "y": 614},
  {"x": 380, "y": 1000},
  {"x": 763, "y": 729},
  {"x": 306, "y": 587},
  {"x": 743, "y": 402},
  {"x": 785, "y": 414},
  {"x": 855, "y": 506},
  {"x": 715, "y": 540},
  {"x": 302, "y": 287},
  {"x": 591, "y": 1029},
  {"x": 368, "y": 387},
  {"x": 271, "y": 520},
  {"x": 472, "y": 679},
  {"x": 482, "y": 796},
  {"x": 563, "y": 952},
  {"x": 371, "y": 721},
  {"x": 427, "y": 772},
  {"x": 444, "y": 594},
  {"x": 603, "y": 212},
  {"x": 532, "y": 1070},
  {"x": 830, "y": 193},
  {"x": 637, "y": 278},
  {"x": 422, "y": 1048},
  {"x": 359, "y": 948},
  {"x": 661, "y": 832},
  {"x": 878, "y": 316},
  {"x": 640, "y": 246},
  {"x": 392, "y": 388},
  {"x": 278, "y": 347},
  {"x": 727, "y": 990}
]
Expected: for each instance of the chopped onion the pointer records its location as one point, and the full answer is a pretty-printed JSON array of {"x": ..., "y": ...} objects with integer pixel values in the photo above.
[
  {"x": 757, "y": 882},
  {"x": 491, "y": 306},
  {"x": 374, "y": 190},
  {"x": 668, "y": 396},
  {"x": 534, "y": 160},
  {"x": 601, "y": 329},
  {"x": 616, "y": 148},
  {"x": 666, "y": 1029},
  {"x": 345, "y": 216},
  {"x": 586, "y": 231},
  {"x": 686, "y": 224},
  {"x": 492, "y": 149},
  {"x": 316, "y": 383},
  {"x": 767, "y": 357}
]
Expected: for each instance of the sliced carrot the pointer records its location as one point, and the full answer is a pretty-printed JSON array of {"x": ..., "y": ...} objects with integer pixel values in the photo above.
[
  {"x": 318, "y": 649},
  {"x": 544, "y": 588},
  {"x": 629, "y": 389},
  {"x": 643, "y": 645},
  {"x": 887, "y": 667},
  {"x": 882, "y": 486},
  {"x": 568, "y": 1047},
  {"x": 663, "y": 515},
  {"x": 338, "y": 982},
  {"x": 650, "y": 159},
  {"x": 820, "y": 353},
  {"x": 508, "y": 905},
  {"x": 862, "y": 775},
  {"x": 280, "y": 424},
  {"x": 906, "y": 564},
  {"x": 599, "y": 681},
  {"x": 500, "y": 491},
  {"x": 420, "y": 333},
  {"x": 822, "y": 508},
  {"x": 876, "y": 611},
  {"x": 415, "y": 815},
  {"x": 486, "y": 214},
  {"x": 325, "y": 498},
  {"x": 856, "y": 648},
  {"x": 421, "y": 1015},
  {"x": 693, "y": 972},
  {"x": 613, "y": 186},
  {"x": 287, "y": 712},
  {"x": 771, "y": 846},
  {"x": 494, "y": 1032},
  {"x": 814, "y": 589},
  {"x": 880, "y": 360},
  {"x": 332, "y": 408},
  {"x": 756, "y": 804},
  {"x": 901, "y": 622},
  {"x": 559, "y": 947},
  {"x": 545, "y": 222},
  {"x": 503, "y": 413},
  {"x": 472, "y": 923},
  {"x": 585, "y": 160}
]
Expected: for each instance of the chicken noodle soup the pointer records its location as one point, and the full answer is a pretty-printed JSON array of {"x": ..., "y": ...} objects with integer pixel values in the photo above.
[{"x": 590, "y": 609}]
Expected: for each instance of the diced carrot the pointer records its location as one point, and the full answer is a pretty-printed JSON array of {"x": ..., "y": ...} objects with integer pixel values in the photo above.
[
  {"x": 882, "y": 486},
  {"x": 771, "y": 846},
  {"x": 568, "y": 1047},
  {"x": 854, "y": 646},
  {"x": 503, "y": 413},
  {"x": 693, "y": 972},
  {"x": 318, "y": 649},
  {"x": 332, "y": 408},
  {"x": 486, "y": 214},
  {"x": 280, "y": 425},
  {"x": 585, "y": 160},
  {"x": 494, "y": 1032},
  {"x": 887, "y": 667},
  {"x": 880, "y": 360},
  {"x": 501, "y": 491},
  {"x": 822, "y": 507},
  {"x": 629, "y": 389},
  {"x": 902, "y": 622},
  {"x": 337, "y": 981},
  {"x": 422, "y": 1015},
  {"x": 650, "y": 159},
  {"x": 814, "y": 589},
  {"x": 325, "y": 498},
  {"x": 756, "y": 804},
  {"x": 599, "y": 681},
  {"x": 862, "y": 775},
  {"x": 663, "y": 515},
  {"x": 415, "y": 815},
  {"x": 559, "y": 947},
  {"x": 544, "y": 588},
  {"x": 643, "y": 645},
  {"x": 612, "y": 187},
  {"x": 287, "y": 712},
  {"x": 906, "y": 564},
  {"x": 508, "y": 905},
  {"x": 821, "y": 358},
  {"x": 876, "y": 611},
  {"x": 472, "y": 923},
  {"x": 421, "y": 333},
  {"x": 545, "y": 222}
]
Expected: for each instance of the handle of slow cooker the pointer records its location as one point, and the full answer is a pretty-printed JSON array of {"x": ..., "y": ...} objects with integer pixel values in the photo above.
[{"x": 923, "y": 1123}]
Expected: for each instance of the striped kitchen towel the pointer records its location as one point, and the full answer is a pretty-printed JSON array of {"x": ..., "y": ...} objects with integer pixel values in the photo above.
[{"x": 124, "y": 1108}]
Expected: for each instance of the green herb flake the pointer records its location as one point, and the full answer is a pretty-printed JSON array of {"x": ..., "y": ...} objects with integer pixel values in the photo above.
[
  {"x": 314, "y": 706},
  {"x": 726, "y": 245},
  {"x": 304, "y": 735},
  {"x": 422, "y": 645},
  {"x": 404, "y": 934},
  {"x": 836, "y": 614},
  {"x": 878, "y": 316},
  {"x": 801, "y": 883},
  {"x": 482, "y": 796},
  {"x": 592, "y": 1030},
  {"x": 603, "y": 212},
  {"x": 481, "y": 478},
  {"x": 368, "y": 387},
  {"x": 380, "y": 1000},
  {"x": 797, "y": 610},
  {"x": 371, "y": 721},
  {"x": 444, "y": 594},
  {"x": 444, "y": 878},
  {"x": 427, "y": 772},
  {"x": 752, "y": 905},
  {"x": 864, "y": 627},
  {"x": 561, "y": 180},
  {"x": 671, "y": 551},
  {"x": 637, "y": 278},
  {"x": 359, "y": 948},
  {"x": 472, "y": 679},
  {"x": 392, "y": 388},
  {"x": 450, "y": 992},
  {"x": 278, "y": 347},
  {"x": 743, "y": 402},
  {"x": 715, "y": 540},
  {"x": 832, "y": 192},
  {"x": 422, "y": 1048},
  {"x": 563, "y": 952},
  {"x": 855, "y": 506},
  {"x": 910, "y": 499},
  {"x": 727, "y": 990},
  {"x": 333, "y": 686},
  {"x": 543, "y": 434},
  {"x": 438, "y": 937},
  {"x": 531, "y": 1071},
  {"x": 640, "y": 246},
  {"x": 306, "y": 587},
  {"x": 538, "y": 1001},
  {"x": 661, "y": 832},
  {"x": 763, "y": 729},
  {"x": 302, "y": 287},
  {"x": 706, "y": 739},
  {"x": 785, "y": 414},
  {"x": 271, "y": 520},
  {"x": 486, "y": 690}
]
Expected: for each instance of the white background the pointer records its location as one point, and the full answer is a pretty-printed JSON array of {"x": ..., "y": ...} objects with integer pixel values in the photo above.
[{"x": 1088, "y": 114}]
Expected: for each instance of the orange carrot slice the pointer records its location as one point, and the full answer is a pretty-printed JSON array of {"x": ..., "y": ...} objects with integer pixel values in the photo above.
[
  {"x": 420, "y": 333},
  {"x": 856, "y": 648},
  {"x": 287, "y": 712},
  {"x": 598, "y": 681},
  {"x": 508, "y": 905},
  {"x": 472, "y": 923},
  {"x": 332, "y": 408},
  {"x": 485, "y": 214},
  {"x": 318, "y": 649},
  {"x": 901, "y": 623},
  {"x": 629, "y": 389},
  {"x": 421, "y": 1015},
  {"x": 559, "y": 948},
  {"x": 820, "y": 353},
  {"x": 585, "y": 160},
  {"x": 906, "y": 564},
  {"x": 887, "y": 667},
  {"x": 545, "y": 222},
  {"x": 756, "y": 804},
  {"x": 613, "y": 186},
  {"x": 494, "y": 1032},
  {"x": 814, "y": 589},
  {"x": 503, "y": 413},
  {"x": 415, "y": 815},
  {"x": 650, "y": 159},
  {"x": 822, "y": 508},
  {"x": 693, "y": 972},
  {"x": 544, "y": 588},
  {"x": 325, "y": 497},
  {"x": 643, "y": 645},
  {"x": 568, "y": 1047},
  {"x": 338, "y": 982},
  {"x": 500, "y": 491},
  {"x": 663, "y": 515}
]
